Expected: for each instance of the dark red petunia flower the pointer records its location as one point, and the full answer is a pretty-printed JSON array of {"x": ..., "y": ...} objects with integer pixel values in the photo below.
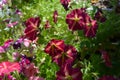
[
  {"x": 55, "y": 16},
  {"x": 99, "y": 16},
  {"x": 68, "y": 56},
  {"x": 107, "y": 78},
  {"x": 55, "y": 47},
  {"x": 8, "y": 67},
  {"x": 65, "y": 4},
  {"x": 90, "y": 27},
  {"x": 75, "y": 19},
  {"x": 69, "y": 73},
  {"x": 106, "y": 58},
  {"x": 47, "y": 25},
  {"x": 31, "y": 30}
]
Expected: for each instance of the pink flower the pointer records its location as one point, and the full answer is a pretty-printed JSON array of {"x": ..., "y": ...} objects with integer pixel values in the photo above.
[
  {"x": 107, "y": 78},
  {"x": 15, "y": 55},
  {"x": 69, "y": 73},
  {"x": 2, "y": 50},
  {"x": 47, "y": 25},
  {"x": 55, "y": 16},
  {"x": 55, "y": 47},
  {"x": 8, "y": 67},
  {"x": 8, "y": 43},
  {"x": 90, "y": 27},
  {"x": 75, "y": 19},
  {"x": 65, "y": 4},
  {"x": 106, "y": 58},
  {"x": 31, "y": 30},
  {"x": 5, "y": 46},
  {"x": 68, "y": 56},
  {"x": 36, "y": 78},
  {"x": 12, "y": 24},
  {"x": 18, "y": 12}
]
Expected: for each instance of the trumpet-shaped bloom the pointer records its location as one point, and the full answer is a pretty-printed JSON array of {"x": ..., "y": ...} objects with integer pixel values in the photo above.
[
  {"x": 65, "y": 4},
  {"x": 75, "y": 19},
  {"x": 99, "y": 16},
  {"x": 68, "y": 56},
  {"x": 8, "y": 67},
  {"x": 90, "y": 27},
  {"x": 69, "y": 73},
  {"x": 47, "y": 24},
  {"x": 55, "y": 16},
  {"x": 106, "y": 58},
  {"x": 31, "y": 30},
  {"x": 55, "y": 47}
]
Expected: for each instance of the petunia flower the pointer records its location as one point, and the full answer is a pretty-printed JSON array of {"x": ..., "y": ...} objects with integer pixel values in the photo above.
[
  {"x": 107, "y": 78},
  {"x": 99, "y": 16},
  {"x": 55, "y": 16},
  {"x": 8, "y": 67},
  {"x": 2, "y": 50},
  {"x": 12, "y": 24},
  {"x": 30, "y": 70},
  {"x": 6, "y": 45},
  {"x": 8, "y": 77},
  {"x": 47, "y": 25},
  {"x": 75, "y": 19},
  {"x": 65, "y": 4},
  {"x": 69, "y": 73},
  {"x": 106, "y": 58},
  {"x": 18, "y": 12},
  {"x": 55, "y": 47},
  {"x": 36, "y": 78},
  {"x": 31, "y": 30},
  {"x": 90, "y": 27},
  {"x": 68, "y": 56}
]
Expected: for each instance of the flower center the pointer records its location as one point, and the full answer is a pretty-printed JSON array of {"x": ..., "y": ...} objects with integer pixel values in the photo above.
[
  {"x": 76, "y": 18},
  {"x": 68, "y": 77},
  {"x": 89, "y": 24}
]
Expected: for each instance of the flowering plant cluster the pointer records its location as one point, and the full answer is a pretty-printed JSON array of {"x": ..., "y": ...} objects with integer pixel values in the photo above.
[{"x": 59, "y": 40}]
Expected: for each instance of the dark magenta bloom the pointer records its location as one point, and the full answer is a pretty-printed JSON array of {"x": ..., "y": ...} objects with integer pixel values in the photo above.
[
  {"x": 75, "y": 19},
  {"x": 31, "y": 30},
  {"x": 69, "y": 73},
  {"x": 90, "y": 27},
  {"x": 55, "y": 47},
  {"x": 99, "y": 16},
  {"x": 65, "y": 4},
  {"x": 6, "y": 45},
  {"x": 30, "y": 70},
  {"x": 107, "y": 78},
  {"x": 55, "y": 16},
  {"x": 47, "y": 25},
  {"x": 106, "y": 58},
  {"x": 68, "y": 56}
]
